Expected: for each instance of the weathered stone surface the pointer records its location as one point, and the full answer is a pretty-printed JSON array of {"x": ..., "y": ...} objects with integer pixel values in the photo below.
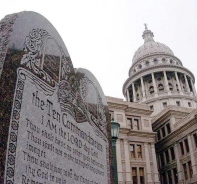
[{"x": 53, "y": 118}]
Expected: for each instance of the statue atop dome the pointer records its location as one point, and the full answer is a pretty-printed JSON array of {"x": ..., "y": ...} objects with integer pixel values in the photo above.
[{"x": 146, "y": 27}]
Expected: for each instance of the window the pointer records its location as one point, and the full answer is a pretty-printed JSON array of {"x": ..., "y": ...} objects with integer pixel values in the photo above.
[
  {"x": 141, "y": 171},
  {"x": 155, "y": 61},
  {"x": 164, "y": 104},
  {"x": 152, "y": 107},
  {"x": 134, "y": 175},
  {"x": 189, "y": 104},
  {"x": 129, "y": 121},
  {"x": 132, "y": 150},
  {"x": 164, "y": 60},
  {"x": 160, "y": 87},
  {"x": 139, "y": 151},
  {"x": 195, "y": 139},
  {"x": 164, "y": 178},
  {"x": 112, "y": 115},
  {"x": 151, "y": 89},
  {"x": 163, "y": 131},
  {"x": 167, "y": 157},
  {"x": 171, "y": 61},
  {"x": 182, "y": 149},
  {"x": 135, "y": 124},
  {"x": 169, "y": 177},
  {"x": 147, "y": 63},
  {"x": 177, "y": 87},
  {"x": 162, "y": 159},
  {"x": 190, "y": 169},
  {"x": 168, "y": 128},
  {"x": 139, "y": 66},
  {"x": 158, "y": 135},
  {"x": 172, "y": 153},
  {"x": 170, "y": 86},
  {"x": 186, "y": 145},
  {"x": 185, "y": 171},
  {"x": 175, "y": 175},
  {"x": 178, "y": 103}
]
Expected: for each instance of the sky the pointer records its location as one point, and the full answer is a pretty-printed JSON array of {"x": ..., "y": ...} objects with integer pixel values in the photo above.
[{"x": 103, "y": 35}]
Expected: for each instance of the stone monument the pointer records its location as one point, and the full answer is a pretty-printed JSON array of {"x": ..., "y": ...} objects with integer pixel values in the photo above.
[{"x": 53, "y": 118}]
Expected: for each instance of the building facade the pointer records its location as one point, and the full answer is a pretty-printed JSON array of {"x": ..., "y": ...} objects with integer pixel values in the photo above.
[
  {"x": 136, "y": 157},
  {"x": 158, "y": 120}
]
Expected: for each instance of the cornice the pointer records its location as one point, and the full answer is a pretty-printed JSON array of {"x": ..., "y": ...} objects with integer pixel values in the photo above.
[
  {"x": 170, "y": 96},
  {"x": 139, "y": 133},
  {"x": 168, "y": 111},
  {"x": 168, "y": 166},
  {"x": 129, "y": 107}
]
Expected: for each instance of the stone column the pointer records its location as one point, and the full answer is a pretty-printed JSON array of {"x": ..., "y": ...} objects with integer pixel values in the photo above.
[
  {"x": 155, "y": 169},
  {"x": 193, "y": 161},
  {"x": 193, "y": 87},
  {"x": 127, "y": 162},
  {"x": 172, "y": 123},
  {"x": 148, "y": 168},
  {"x": 179, "y": 170},
  {"x": 134, "y": 95},
  {"x": 154, "y": 84},
  {"x": 178, "y": 82},
  {"x": 188, "y": 90},
  {"x": 143, "y": 89},
  {"x": 166, "y": 83},
  {"x": 119, "y": 163},
  {"x": 128, "y": 96}
]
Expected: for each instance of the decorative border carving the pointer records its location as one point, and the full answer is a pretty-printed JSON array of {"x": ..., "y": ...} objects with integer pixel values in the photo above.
[{"x": 13, "y": 132}]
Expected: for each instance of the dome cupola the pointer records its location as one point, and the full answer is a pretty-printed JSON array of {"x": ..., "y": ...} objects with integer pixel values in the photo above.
[
  {"x": 150, "y": 47},
  {"x": 147, "y": 35}
]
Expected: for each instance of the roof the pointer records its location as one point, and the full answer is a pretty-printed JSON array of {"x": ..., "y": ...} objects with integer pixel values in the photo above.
[{"x": 150, "y": 47}]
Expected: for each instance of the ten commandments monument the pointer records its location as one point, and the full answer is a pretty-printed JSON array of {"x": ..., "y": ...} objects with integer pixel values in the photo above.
[{"x": 53, "y": 118}]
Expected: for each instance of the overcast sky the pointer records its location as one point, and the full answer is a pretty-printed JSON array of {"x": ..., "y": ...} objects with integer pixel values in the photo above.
[{"x": 102, "y": 35}]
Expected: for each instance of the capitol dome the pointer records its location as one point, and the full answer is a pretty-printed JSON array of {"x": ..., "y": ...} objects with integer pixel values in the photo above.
[
  {"x": 158, "y": 78},
  {"x": 150, "y": 47}
]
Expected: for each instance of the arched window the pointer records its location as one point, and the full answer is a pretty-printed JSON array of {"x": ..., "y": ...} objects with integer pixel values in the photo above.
[
  {"x": 138, "y": 96},
  {"x": 160, "y": 87},
  {"x": 147, "y": 63},
  {"x": 170, "y": 86},
  {"x": 155, "y": 60},
  {"x": 139, "y": 66},
  {"x": 151, "y": 89},
  {"x": 177, "y": 88},
  {"x": 171, "y": 61}
]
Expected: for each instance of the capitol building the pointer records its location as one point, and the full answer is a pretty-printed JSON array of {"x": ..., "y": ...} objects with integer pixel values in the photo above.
[{"x": 157, "y": 143}]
